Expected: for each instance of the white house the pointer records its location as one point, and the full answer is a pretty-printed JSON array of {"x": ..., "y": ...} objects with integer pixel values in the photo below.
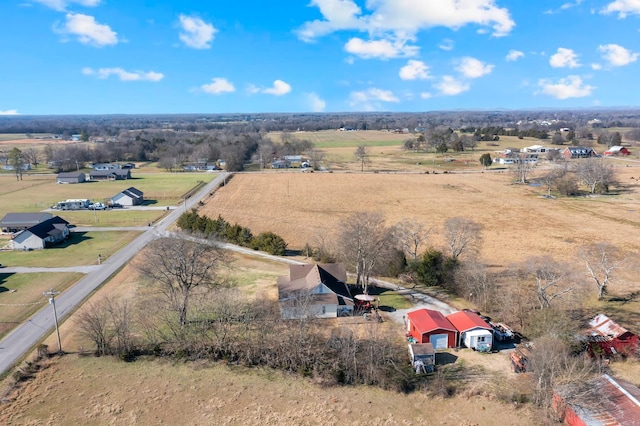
[
  {"x": 473, "y": 331},
  {"x": 42, "y": 235},
  {"x": 129, "y": 197}
]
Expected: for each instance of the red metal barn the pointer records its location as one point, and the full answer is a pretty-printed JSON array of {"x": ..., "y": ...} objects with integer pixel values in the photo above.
[
  {"x": 428, "y": 326},
  {"x": 607, "y": 338},
  {"x": 604, "y": 400}
]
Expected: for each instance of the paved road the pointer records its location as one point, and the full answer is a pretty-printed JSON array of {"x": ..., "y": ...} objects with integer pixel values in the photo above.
[{"x": 15, "y": 345}]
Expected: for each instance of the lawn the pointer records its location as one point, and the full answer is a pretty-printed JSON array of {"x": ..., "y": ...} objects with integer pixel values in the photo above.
[
  {"x": 39, "y": 192},
  {"x": 115, "y": 217},
  {"x": 21, "y": 295},
  {"x": 82, "y": 248}
]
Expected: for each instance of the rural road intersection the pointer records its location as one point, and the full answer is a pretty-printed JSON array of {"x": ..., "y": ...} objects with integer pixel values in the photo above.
[{"x": 27, "y": 335}]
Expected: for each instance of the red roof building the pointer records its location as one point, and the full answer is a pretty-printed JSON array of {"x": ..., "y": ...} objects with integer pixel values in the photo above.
[
  {"x": 617, "y": 150},
  {"x": 604, "y": 400},
  {"x": 606, "y": 337},
  {"x": 428, "y": 326},
  {"x": 474, "y": 332}
]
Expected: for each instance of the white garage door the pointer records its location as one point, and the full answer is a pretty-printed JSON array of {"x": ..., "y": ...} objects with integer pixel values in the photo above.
[{"x": 439, "y": 341}]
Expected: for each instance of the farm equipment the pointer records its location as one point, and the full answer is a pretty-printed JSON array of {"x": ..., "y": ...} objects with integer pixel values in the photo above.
[
  {"x": 520, "y": 358},
  {"x": 501, "y": 332}
]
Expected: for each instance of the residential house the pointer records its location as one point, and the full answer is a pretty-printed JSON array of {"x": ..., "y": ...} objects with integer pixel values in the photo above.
[
  {"x": 71, "y": 177},
  {"x": 606, "y": 338},
  {"x": 513, "y": 156},
  {"x": 617, "y": 150},
  {"x": 316, "y": 290},
  {"x": 604, "y": 400},
  {"x": 429, "y": 326},
  {"x": 14, "y": 222},
  {"x": 473, "y": 331},
  {"x": 129, "y": 197},
  {"x": 105, "y": 166},
  {"x": 42, "y": 235},
  {"x": 293, "y": 160},
  {"x": 116, "y": 174},
  {"x": 571, "y": 152},
  {"x": 538, "y": 149}
]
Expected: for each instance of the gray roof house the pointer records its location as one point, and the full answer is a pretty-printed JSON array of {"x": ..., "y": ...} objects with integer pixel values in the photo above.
[
  {"x": 129, "y": 197},
  {"x": 71, "y": 177},
  {"x": 14, "y": 222},
  {"x": 42, "y": 235},
  {"x": 315, "y": 290},
  {"x": 116, "y": 174}
]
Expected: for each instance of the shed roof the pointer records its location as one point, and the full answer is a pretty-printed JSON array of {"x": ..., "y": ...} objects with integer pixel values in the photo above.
[
  {"x": 464, "y": 321},
  {"x": 607, "y": 400},
  {"x": 426, "y": 320},
  {"x": 602, "y": 325}
]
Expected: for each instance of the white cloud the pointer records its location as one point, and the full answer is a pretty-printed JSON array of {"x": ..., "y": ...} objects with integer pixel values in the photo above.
[
  {"x": 279, "y": 88},
  {"x": 623, "y": 8},
  {"x": 426, "y": 95},
  {"x": 473, "y": 68},
  {"x": 369, "y": 100},
  {"x": 565, "y": 6},
  {"x": 196, "y": 33},
  {"x": 564, "y": 58},
  {"x": 405, "y": 17},
  {"x": 446, "y": 44},
  {"x": 316, "y": 103},
  {"x": 61, "y": 5},
  {"x": 450, "y": 86},
  {"x": 9, "y": 112},
  {"x": 596, "y": 66},
  {"x": 565, "y": 88},
  {"x": 616, "y": 55},
  {"x": 88, "y": 31},
  {"x": 414, "y": 70},
  {"x": 382, "y": 49},
  {"x": 123, "y": 75},
  {"x": 218, "y": 86},
  {"x": 514, "y": 55}
]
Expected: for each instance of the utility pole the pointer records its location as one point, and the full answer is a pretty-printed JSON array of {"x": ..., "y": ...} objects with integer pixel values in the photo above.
[{"x": 52, "y": 302}]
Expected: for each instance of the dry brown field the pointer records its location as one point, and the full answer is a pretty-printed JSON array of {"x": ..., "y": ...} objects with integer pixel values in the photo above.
[{"x": 517, "y": 221}]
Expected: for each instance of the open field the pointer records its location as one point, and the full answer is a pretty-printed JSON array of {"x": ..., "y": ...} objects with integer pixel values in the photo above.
[
  {"x": 21, "y": 295},
  {"x": 82, "y": 248},
  {"x": 39, "y": 192},
  {"x": 517, "y": 221},
  {"x": 87, "y": 390}
]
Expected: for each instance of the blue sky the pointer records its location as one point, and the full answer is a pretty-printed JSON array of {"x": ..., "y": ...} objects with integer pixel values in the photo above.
[{"x": 122, "y": 56}]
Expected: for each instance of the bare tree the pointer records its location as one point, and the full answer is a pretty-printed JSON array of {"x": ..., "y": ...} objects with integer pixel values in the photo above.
[
  {"x": 266, "y": 151},
  {"x": 475, "y": 283},
  {"x": 521, "y": 168},
  {"x": 601, "y": 260},
  {"x": 363, "y": 239},
  {"x": 178, "y": 266},
  {"x": 316, "y": 156},
  {"x": 550, "y": 279},
  {"x": 462, "y": 235},
  {"x": 362, "y": 155},
  {"x": 108, "y": 324},
  {"x": 31, "y": 155},
  {"x": 410, "y": 234},
  {"x": 596, "y": 173}
]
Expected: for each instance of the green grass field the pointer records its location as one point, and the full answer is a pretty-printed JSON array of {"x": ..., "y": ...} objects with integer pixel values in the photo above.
[
  {"x": 22, "y": 136},
  {"x": 81, "y": 249},
  {"x": 21, "y": 295},
  {"x": 39, "y": 192}
]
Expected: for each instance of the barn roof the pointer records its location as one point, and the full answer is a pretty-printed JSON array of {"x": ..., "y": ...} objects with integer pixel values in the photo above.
[
  {"x": 465, "y": 321},
  {"x": 604, "y": 400},
  {"x": 426, "y": 320},
  {"x": 602, "y": 325}
]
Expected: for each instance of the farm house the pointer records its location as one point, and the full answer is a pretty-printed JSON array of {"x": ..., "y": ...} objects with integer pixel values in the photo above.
[
  {"x": 606, "y": 337},
  {"x": 473, "y": 331},
  {"x": 42, "y": 235},
  {"x": 428, "y": 326}
]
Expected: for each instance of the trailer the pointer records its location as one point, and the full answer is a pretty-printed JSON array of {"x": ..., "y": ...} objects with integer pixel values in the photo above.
[
  {"x": 73, "y": 204},
  {"x": 502, "y": 332}
]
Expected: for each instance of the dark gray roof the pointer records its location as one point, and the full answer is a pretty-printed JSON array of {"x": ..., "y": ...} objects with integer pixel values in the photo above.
[
  {"x": 70, "y": 175},
  {"x": 135, "y": 191},
  {"x": 114, "y": 172},
  {"x": 48, "y": 227},
  {"x": 12, "y": 219}
]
